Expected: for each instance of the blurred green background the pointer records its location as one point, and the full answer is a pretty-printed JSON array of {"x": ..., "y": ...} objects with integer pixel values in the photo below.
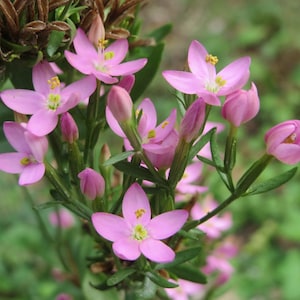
[{"x": 266, "y": 227}]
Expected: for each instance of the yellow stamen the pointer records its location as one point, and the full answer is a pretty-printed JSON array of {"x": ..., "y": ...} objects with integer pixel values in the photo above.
[
  {"x": 54, "y": 82},
  {"x": 109, "y": 55},
  {"x": 220, "y": 81},
  {"x": 290, "y": 139},
  {"x": 139, "y": 213},
  {"x": 164, "y": 124},
  {"x": 25, "y": 161},
  {"x": 151, "y": 134},
  {"x": 102, "y": 43},
  {"x": 211, "y": 59}
]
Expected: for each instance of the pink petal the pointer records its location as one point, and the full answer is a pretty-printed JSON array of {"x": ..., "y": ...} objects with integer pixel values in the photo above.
[
  {"x": 127, "y": 249},
  {"x": 23, "y": 101},
  {"x": 157, "y": 251},
  {"x": 136, "y": 207},
  {"x": 113, "y": 123},
  {"x": 83, "y": 46},
  {"x": 38, "y": 145},
  {"x": 83, "y": 64},
  {"x": 127, "y": 68},
  {"x": 209, "y": 98},
  {"x": 42, "y": 122},
  {"x": 10, "y": 162},
  {"x": 287, "y": 153},
  {"x": 106, "y": 78},
  {"x": 14, "y": 133},
  {"x": 41, "y": 73},
  {"x": 182, "y": 81},
  {"x": 119, "y": 48},
  {"x": 32, "y": 173},
  {"x": 148, "y": 119},
  {"x": 236, "y": 75},
  {"x": 166, "y": 224},
  {"x": 109, "y": 226},
  {"x": 127, "y": 82}
]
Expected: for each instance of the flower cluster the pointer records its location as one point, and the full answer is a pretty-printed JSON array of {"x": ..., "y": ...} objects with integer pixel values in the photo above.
[{"x": 147, "y": 209}]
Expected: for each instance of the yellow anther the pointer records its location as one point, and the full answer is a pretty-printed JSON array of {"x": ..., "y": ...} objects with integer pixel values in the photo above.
[
  {"x": 290, "y": 139},
  {"x": 220, "y": 81},
  {"x": 54, "y": 82},
  {"x": 139, "y": 213},
  {"x": 164, "y": 124},
  {"x": 211, "y": 59},
  {"x": 102, "y": 43},
  {"x": 109, "y": 55},
  {"x": 151, "y": 134},
  {"x": 25, "y": 161}
]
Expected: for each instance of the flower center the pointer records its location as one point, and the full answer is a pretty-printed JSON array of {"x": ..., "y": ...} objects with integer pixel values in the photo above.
[
  {"x": 290, "y": 139},
  {"x": 151, "y": 134},
  {"x": 109, "y": 55},
  {"x": 54, "y": 82},
  {"x": 215, "y": 86},
  {"x": 211, "y": 59},
  {"x": 53, "y": 101},
  {"x": 25, "y": 161},
  {"x": 139, "y": 232}
]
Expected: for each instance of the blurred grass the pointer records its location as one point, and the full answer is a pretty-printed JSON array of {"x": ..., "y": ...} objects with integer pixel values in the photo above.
[{"x": 266, "y": 227}]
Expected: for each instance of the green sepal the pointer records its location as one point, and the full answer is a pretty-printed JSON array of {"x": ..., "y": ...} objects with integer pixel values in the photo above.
[
  {"x": 160, "y": 281},
  {"x": 119, "y": 276},
  {"x": 117, "y": 158},
  {"x": 188, "y": 272},
  {"x": 55, "y": 40},
  {"x": 180, "y": 258},
  {"x": 272, "y": 183}
]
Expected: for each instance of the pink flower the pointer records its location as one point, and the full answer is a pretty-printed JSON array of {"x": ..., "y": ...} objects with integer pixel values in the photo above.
[
  {"x": 215, "y": 225},
  {"x": 120, "y": 104},
  {"x": 241, "y": 106},
  {"x": 49, "y": 100},
  {"x": 136, "y": 233},
  {"x": 69, "y": 128},
  {"x": 188, "y": 184},
  {"x": 103, "y": 63},
  {"x": 92, "y": 184},
  {"x": 203, "y": 79},
  {"x": 28, "y": 160},
  {"x": 185, "y": 290},
  {"x": 62, "y": 218},
  {"x": 192, "y": 121},
  {"x": 283, "y": 141},
  {"x": 159, "y": 142},
  {"x": 96, "y": 33},
  {"x": 63, "y": 296}
]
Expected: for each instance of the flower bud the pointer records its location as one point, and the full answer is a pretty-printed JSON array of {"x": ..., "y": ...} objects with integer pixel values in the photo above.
[
  {"x": 92, "y": 184},
  {"x": 69, "y": 128},
  {"x": 283, "y": 141},
  {"x": 192, "y": 120},
  {"x": 62, "y": 218},
  {"x": 96, "y": 33},
  {"x": 241, "y": 106}
]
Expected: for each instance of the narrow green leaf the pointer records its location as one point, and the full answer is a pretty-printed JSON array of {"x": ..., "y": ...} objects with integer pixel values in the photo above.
[
  {"x": 119, "y": 276},
  {"x": 116, "y": 158},
  {"x": 201, "y": 143},
  {"x": 215, "y": 153},
  {"x": 188, "y": 272},
  {"x": 145, "y": 76},
  {"x": 272, "y": 183},
  {"x": 55, "y": 39},
  {"x": 180, "y": 258},
  {"x": 160, "y": 281}
]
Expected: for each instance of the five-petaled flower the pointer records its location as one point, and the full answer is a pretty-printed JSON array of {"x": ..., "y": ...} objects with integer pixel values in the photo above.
[
  {"x": 203, "y": 79},
  {"x": 49, "y": 100},
  {"x": 28, "y": 160},
  {"x": 103, "y": 63},
  {"x": 136, "y": 233}
]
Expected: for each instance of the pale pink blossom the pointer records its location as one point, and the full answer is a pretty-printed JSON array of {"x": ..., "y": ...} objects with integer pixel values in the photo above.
[
  {"x": 92, "y": 183},
  {"x": 241, "y": 106},
  {"x": 185, "y": 290},
  {"x": 104, "y": 63},
  {"x": 203, "y": 79},
  {"x": 136, "y": 233},
  {"x": 62, "y": 218},
  {"x": 49, "y": 99},
  {"x": 28, "y": 160},
  {"x": 283, "y": 141},
  {"x": 216, "y": 225}
]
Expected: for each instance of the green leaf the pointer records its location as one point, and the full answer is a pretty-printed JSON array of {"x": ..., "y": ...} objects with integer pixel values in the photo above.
[
  {"x": 215, "y": 153},
  {"x": 160, "y": 281},
  {"x": 116, "y": 158},
  {"x": 55, "y": 39},
  {"x": 145, "y": 76},
  {"x": 119, "y": 276},
  {"x": 180, "y": 258},
  {"x": 201, "y": 143},
  {"x": 188, "y": 272},
  {"x": 272, "y": 183}
]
